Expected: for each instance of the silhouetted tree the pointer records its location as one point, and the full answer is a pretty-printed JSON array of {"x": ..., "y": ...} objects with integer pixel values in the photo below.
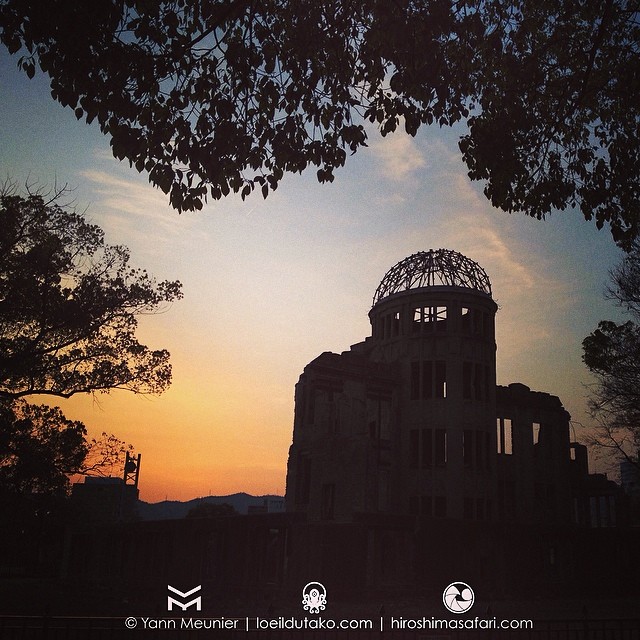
[
  {"x": 106, "y": 456},
  {"x": 39, "y": 448},
  {"x": 210, "y": 97},
  {"x": 68, "y": 307},
  {"x": 209, "y": 509},
  {"x": 612, "y": 353}
]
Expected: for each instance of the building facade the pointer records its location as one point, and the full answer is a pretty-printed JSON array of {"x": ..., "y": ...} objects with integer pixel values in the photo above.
[{"x": 411, "y": 421}]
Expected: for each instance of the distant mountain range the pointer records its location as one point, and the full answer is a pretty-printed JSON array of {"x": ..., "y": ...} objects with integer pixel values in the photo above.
[{"x": 174, "y": 509}]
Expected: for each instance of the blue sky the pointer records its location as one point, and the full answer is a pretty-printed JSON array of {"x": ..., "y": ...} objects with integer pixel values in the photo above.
[{"x": 270, "y": 284}]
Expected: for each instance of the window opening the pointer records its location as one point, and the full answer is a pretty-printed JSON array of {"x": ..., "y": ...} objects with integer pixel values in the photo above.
[
  {"x": 466, "y": 380},
  {"x": 536, "y": 432},
  {"x": 466, "y": 320},
  {"x": 327, "y": 501},
  {"x": 467, "y": 447},
  {"x": 440, "y": 507},
  {"x": 440, "y": 448},
  {"x": 441, "y": 379},
  {"x": 429, "y": 319},
  {"x": 504, "y": 433}
]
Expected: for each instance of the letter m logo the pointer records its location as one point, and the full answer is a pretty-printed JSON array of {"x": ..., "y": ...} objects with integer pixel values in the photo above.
[{"x": 183, "y": 596}]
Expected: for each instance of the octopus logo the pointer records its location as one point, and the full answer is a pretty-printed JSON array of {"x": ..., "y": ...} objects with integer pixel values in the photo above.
[
  {"x": 314, "y": 597},
  {"x": 458, "y": 597}
]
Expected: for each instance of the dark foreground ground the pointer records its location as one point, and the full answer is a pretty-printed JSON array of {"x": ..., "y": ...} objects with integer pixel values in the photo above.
[{"x": 48, "y": 609}]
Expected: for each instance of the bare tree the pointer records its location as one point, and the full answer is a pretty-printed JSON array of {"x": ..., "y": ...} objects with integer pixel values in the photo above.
[
  {"x": 612, "y": 354},
  {"x": 106, "y": 456}
]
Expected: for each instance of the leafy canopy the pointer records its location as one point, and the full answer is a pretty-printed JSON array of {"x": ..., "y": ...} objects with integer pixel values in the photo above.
[
  {"x": 39, "y": 448},
  {"x": 69, "y": 305},
  {"x": 210, "y": 97}
]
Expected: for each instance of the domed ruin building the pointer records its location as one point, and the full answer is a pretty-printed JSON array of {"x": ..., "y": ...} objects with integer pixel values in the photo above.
[{"x": 411, "y": 422}]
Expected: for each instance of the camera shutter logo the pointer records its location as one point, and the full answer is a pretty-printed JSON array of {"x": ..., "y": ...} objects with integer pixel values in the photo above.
[
  {"x": 458, "y": 597},
  {"x": 184, "y": 605},
  {"x": 314, "y": 597}
]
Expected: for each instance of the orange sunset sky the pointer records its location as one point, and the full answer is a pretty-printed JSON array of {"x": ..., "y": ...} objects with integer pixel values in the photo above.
[{"x": 270, "y": 284}]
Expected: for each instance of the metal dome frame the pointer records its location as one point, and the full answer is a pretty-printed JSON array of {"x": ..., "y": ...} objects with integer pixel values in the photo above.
[{"x": 433, "y": 268}]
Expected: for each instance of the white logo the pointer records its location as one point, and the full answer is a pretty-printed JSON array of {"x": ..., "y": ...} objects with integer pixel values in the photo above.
[
  {"x": 314, "y": 597},
  {"x": 197, "y": 601},
  {"x": 458, "y": 597}
]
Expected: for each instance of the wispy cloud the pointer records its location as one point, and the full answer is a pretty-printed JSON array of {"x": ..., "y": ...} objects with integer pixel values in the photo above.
[
  {"x": 126, "y": 195},
  {"x": 400, "y": 156},
  {"x": 130, "y": 209}
]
